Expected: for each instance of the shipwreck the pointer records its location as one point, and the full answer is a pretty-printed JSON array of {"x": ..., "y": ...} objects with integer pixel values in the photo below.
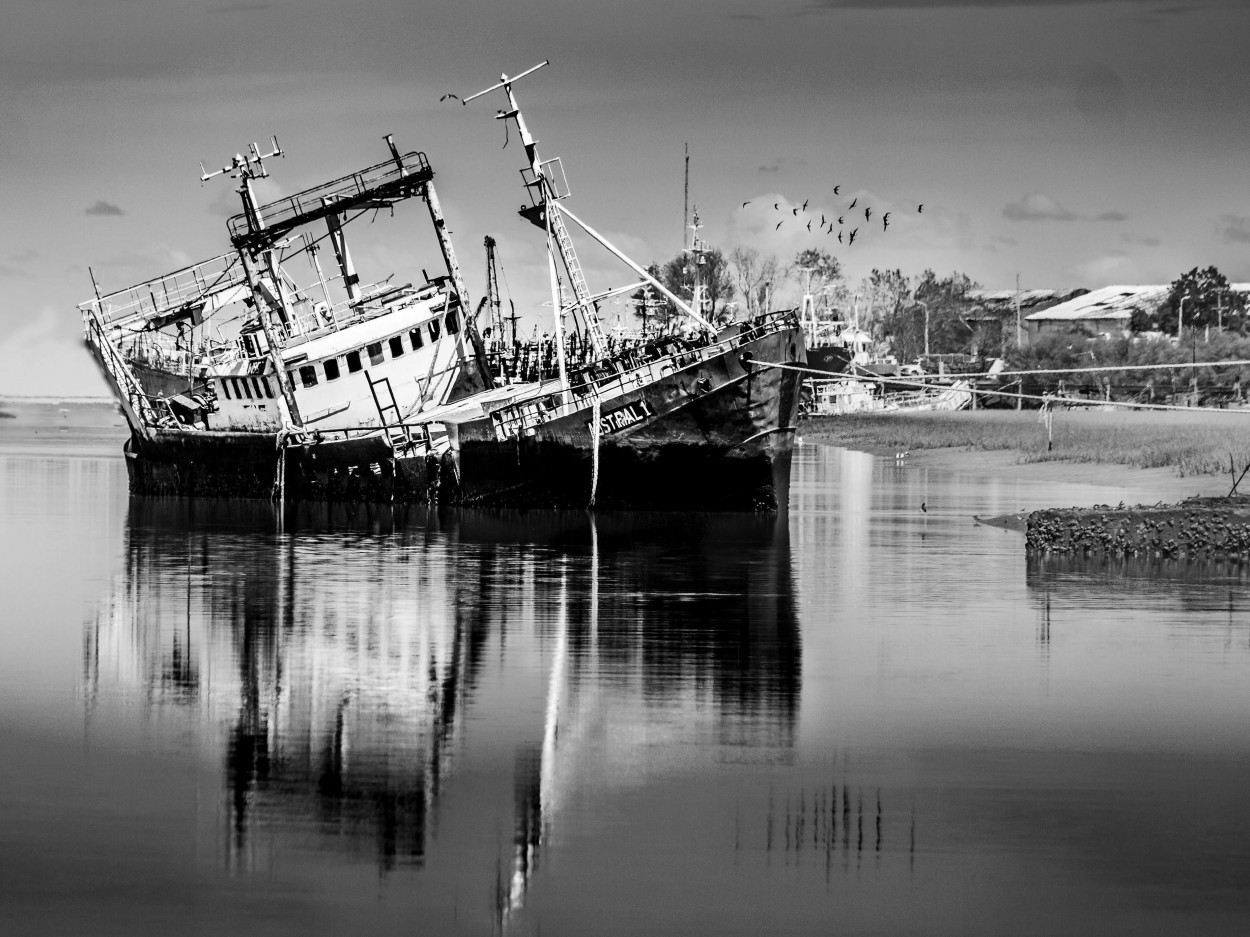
[{"x": 274, "y": 370}]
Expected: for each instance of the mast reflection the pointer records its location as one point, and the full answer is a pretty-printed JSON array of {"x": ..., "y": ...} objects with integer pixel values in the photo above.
[{"x": 342, "y": 664}]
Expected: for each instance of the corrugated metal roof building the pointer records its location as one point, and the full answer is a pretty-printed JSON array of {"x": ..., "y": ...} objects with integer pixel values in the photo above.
[
  {"x": 995, "y": 312},
  {"x": 1105, "y": 311}
]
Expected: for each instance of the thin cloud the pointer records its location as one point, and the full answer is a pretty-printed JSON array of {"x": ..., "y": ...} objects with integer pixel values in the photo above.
[
  {"x": 781, "y": 164},
  {"x": 1235, "y": 229},
  {"x": 1140, "y": 239},
  {"x": 103, "y": 208},
  {"x": 17, "y": 265},
  {"x": 1037, "y": 207}
]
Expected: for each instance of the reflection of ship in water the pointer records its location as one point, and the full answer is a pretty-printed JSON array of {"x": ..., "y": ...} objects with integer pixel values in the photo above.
[{"x": 341, "y": 665}]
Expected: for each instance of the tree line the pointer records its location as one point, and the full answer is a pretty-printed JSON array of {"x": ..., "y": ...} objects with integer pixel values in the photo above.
[
  {"x": 890, "y": 307},
  {"x": 906, "y": 315}
]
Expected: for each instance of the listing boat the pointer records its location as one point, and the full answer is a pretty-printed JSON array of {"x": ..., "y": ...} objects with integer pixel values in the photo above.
[{"x": 237, "y": 381}]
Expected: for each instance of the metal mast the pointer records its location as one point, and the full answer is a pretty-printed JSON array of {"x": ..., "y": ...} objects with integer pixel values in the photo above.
[
  {"x": 697, "y": 250},
  {"x": 245, "y": 169},
  {"x": 548, "y": 213},
  {"x": 492, "y": 290},
  {"x": 541, "y": 180}
]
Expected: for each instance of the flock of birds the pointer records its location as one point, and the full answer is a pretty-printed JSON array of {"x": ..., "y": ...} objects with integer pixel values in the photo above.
[{"x": 826, "y": 225}]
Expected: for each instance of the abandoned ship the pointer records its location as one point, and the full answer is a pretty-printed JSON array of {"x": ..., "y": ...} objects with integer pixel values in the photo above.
[{"x": 238, "y": 380}]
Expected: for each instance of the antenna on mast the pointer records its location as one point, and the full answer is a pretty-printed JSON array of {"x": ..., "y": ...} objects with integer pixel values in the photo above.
[
  {"x": 251, "y": 166},
  {"x": 245, "y": 169}
]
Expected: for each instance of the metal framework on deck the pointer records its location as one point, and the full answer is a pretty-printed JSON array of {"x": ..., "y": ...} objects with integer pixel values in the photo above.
[{"x": 376, "y": 187}]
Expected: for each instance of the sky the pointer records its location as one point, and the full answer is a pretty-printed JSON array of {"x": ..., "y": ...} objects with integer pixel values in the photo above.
[{"x": 1078, "y": 143}]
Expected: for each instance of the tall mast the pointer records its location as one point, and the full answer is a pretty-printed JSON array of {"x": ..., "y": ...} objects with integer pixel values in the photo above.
[
  {"x": 547, "y": 212},
  {"x": 697, "y": 250},
  {"x": 245, "y": 169},
  {"x": 541, "y": 181}
]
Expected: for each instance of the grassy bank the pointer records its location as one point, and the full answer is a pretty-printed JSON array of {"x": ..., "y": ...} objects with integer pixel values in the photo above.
[{"x": 1189, "y": 443}]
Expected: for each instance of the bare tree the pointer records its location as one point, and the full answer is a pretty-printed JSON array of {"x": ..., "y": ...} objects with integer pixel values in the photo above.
[
  {"x": 754, "y": 274},
  {"x": 880, "y": 297}
]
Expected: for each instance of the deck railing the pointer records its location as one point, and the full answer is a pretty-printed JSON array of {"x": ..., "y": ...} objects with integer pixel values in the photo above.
[
  {"x": 514, "y": 419},
  {"x": 171, "y": 293}
]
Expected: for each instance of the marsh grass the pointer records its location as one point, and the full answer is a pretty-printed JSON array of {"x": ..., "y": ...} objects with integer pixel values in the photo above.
[{"x": 1191, "y": 443}]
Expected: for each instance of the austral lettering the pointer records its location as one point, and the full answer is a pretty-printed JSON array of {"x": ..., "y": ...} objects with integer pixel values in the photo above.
[{"x": 624, "y": 417}]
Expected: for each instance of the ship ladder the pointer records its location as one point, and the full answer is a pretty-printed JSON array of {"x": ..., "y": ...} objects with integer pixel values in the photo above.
[
  {"x": 397, "y": 434},
  {"x": 580, "y": 289}
]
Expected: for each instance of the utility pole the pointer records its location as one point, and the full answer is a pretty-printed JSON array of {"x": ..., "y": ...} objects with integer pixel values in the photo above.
[{"x": 1019, "y": 334}]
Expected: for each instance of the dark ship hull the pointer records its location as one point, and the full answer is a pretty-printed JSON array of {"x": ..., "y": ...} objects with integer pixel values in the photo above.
[
  {"x": 716, "y": 435},
  {"x": 835, "y": 359}
]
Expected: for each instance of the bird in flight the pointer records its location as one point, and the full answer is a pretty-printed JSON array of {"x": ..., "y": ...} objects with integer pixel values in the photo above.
[
  {"x": 809, "y": 226},
  {"x": 796, "y": 212},
  {"x": 839, "y": 219},
  {"x": 852, "y": 238},
  {"x": 804, "y": 204},
  {"x": 835, "y": 189},
  {"x": 450, "y": 95},
  {"x": 822, "y": 219},
  {"x": 745, "y": 204},
  {"x": 839, "y": 237},
  {"x": 780, "y": 223},
  {"x": 776, "y": 207},
  {"x": 868, "y": 213},
  {"x": 885, "y": 221},
  {"x": 920, "y": 208},
  {"x": 853, "y": 201}
]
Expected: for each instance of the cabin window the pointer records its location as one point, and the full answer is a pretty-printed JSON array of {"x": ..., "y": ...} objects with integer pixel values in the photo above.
[
  {"x": 375, "y": 353},
  {"x": 415, "y": 338},
  {"x": 433, "y": 330},
  {"x": 453, "y": 324},
  {"x": 332, "y": 369},
  {"x": 247, "y": 391},
  {"x": 397, "y": 346},
  {"x": 256, "y": 387},
  {"x": 225, "y": 388},
  {"x": 353, "y": 361},
  {"x": 308, "y": 375},
  {"x": 264, "y": 382}
]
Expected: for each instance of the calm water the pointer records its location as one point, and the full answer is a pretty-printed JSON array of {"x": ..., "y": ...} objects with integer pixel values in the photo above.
[{"x": 861, "y": 718}]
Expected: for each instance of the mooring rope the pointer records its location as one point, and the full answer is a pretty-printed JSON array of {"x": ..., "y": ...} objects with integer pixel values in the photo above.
[
  {"x": 594, "y": 457},
  {"x": 1179, "y": 365},
  {"x": 1069, "y": 401}
]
